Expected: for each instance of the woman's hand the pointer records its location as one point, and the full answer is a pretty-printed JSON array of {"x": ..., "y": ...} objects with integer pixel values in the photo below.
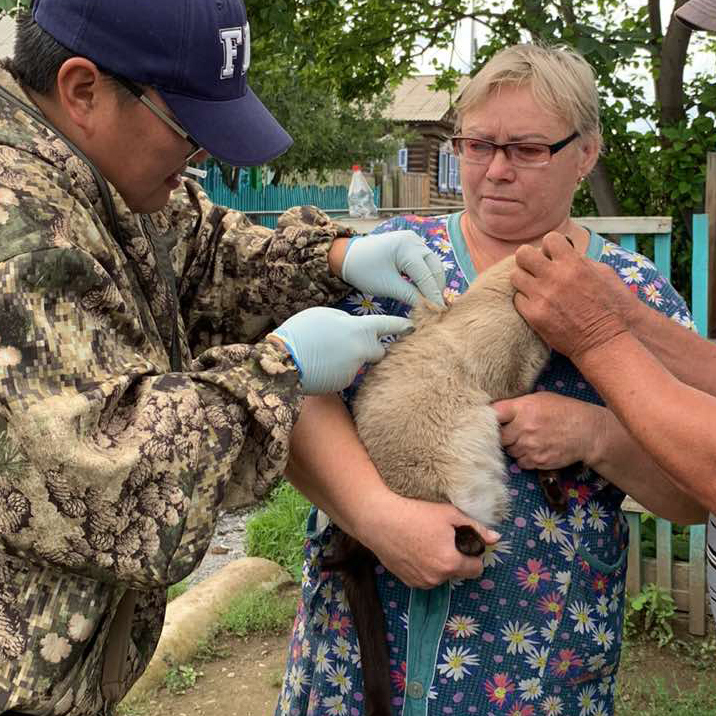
[
  {"x": 415, "y": 540},
  {"x": 548, "y": 431}
]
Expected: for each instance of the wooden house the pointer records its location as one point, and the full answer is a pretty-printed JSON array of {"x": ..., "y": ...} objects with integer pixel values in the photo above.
[{"x": 430, "y": 115}]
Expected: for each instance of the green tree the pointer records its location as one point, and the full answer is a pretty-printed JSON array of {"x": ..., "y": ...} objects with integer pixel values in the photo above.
[
  {"x": 321, "y": 64},
  {"x": 360, "y": 47}
]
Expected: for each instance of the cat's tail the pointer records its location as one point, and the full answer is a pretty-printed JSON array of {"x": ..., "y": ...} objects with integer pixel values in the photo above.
[{"x": 357, "y": 563}]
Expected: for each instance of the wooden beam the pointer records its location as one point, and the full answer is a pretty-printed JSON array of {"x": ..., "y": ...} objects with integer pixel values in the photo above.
[{"x": 626, "y": 224}]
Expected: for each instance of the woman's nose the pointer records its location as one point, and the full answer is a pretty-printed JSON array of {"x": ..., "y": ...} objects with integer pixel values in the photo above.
[{"x": 500, "y": 167}]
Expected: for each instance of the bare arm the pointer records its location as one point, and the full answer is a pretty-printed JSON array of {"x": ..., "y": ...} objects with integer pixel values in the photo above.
[
  {"x": 576, "y": 308},
  {"x": 688, "y": 356},
  {"x": 414, "y": 539},
  {"x": 548, "y": 431},
  {"x": 621, "y": 460},
  {"x": 674, "y": 422}
]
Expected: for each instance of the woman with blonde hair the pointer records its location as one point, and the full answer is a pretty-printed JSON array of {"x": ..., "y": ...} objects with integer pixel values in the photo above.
[{"x": 534, "y": 626}]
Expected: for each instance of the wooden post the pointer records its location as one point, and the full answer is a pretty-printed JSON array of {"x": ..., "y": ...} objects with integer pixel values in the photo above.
[{"x": 710, "y": 209}]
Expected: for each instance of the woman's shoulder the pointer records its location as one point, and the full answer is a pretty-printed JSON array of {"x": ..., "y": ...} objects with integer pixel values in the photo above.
[
  {"x": 423, "y": 225},
  {"x": 646, "y": 281}
]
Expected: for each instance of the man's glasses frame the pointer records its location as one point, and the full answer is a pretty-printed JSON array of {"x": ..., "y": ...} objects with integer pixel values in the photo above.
[
  {"x": 509, "y": 146},
  {"x": 139, "y": 93}
]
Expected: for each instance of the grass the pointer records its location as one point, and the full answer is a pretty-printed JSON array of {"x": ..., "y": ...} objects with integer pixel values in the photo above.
[
  {"x": 259, "y": 612},
  {"x": 673, "y": 680},
  {"x": 656, "y": 699},
  {"x": 180, "y": 678},
  {"x": 176, "y": 590},
  {"x": 132, "y": 709},
  {"x": 277, "y": 531}
]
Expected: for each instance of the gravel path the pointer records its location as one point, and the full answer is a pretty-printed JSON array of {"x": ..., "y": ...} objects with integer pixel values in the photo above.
[{"x": 227, "y": 544}]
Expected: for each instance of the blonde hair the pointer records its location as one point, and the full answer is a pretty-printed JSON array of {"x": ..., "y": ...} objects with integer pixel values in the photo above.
[{"x": 561, "y": 80}]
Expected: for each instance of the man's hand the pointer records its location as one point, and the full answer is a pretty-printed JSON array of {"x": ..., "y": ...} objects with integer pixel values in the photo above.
[
  {"x": 562, "y": 296},
  {"x": 415, "y": 540},
  {"x": 329, "y": 346},
  {"x": 547, "y": 431},
  {"x": 375, "y": 265}
]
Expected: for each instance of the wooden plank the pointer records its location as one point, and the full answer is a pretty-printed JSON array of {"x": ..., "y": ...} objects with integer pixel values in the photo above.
[
  {"x": 697, "y": 579},
  {"x": 680, "y": 582},
  {"x": 631, "y": 505},
  {"x": 633, "y": 577},
  {"x": 699, "y": 273},
  {"x": 710, "y": 208},
  {"x": 662, "y": 254},
  {"x": 626, "y": 224},
  {"x": 663, "y": 554}
]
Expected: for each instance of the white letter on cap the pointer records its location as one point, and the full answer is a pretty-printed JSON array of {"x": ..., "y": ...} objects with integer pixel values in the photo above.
[
  {"x": 247, "y": 48},
  {"x": 230, "y": 38}
]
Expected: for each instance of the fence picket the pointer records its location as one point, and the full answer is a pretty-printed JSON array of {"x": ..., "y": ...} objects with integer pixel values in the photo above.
[{"x": 275, "y": 198}]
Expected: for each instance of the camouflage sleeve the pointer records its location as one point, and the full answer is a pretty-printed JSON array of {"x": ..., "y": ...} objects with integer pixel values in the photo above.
[
  {"x": 111, "y": 467},
  {"x": 238, "y": 279}
]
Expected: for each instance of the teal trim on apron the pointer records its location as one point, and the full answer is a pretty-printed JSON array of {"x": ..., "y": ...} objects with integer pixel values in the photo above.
[
  {"x": 459, "y": 247},
  {"x": 596, "y": 246},
  {"x": 427, "y": 615}
]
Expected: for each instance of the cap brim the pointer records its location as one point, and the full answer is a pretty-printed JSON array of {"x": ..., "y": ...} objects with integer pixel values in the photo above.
[
  {"x": 698, "y": 15},
  {"x": 241, "y": 132}
]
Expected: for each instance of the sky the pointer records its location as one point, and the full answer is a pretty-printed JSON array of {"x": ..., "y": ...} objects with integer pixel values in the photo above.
[{"x": 461, "y": 53}]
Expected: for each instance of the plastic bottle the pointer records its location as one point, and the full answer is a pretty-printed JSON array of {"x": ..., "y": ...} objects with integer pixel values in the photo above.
[{"x": 360, "y": 196}]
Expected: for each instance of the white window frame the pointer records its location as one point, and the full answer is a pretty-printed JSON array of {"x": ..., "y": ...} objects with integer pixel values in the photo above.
[
  {"x": 403, "y": 159},
  {"x": 453, "y": 173},
  {"x": 443, "y": 171}
]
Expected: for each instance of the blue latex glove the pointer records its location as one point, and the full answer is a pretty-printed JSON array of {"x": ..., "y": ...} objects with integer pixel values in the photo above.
[
  {"x": 374, "y": 264},
  {"x": 329, "y": 346}
]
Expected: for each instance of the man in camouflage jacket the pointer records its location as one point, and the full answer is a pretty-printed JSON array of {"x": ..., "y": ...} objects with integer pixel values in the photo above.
[{"x": 134, "y": 382}]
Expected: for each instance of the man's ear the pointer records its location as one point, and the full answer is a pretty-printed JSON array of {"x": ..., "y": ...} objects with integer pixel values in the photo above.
[{"x": 81, "y": 89}]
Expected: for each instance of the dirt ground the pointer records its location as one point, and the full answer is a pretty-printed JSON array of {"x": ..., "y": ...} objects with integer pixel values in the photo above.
[
  {"x": 244, "y": 678},
  {"x": 244, "y": 682}
]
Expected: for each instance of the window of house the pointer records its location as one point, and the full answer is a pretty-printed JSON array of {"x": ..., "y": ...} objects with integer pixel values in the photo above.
[
  {"x": 454, "y": 173},
  {"x": 403, "y": 159},
  {"x": 443, "y": 170}
]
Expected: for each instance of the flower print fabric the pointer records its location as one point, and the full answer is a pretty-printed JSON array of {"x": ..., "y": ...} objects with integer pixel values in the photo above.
[{"x": 540, "y": 632}]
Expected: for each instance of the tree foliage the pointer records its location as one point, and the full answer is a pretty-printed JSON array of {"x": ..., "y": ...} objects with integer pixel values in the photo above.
[
  {"x": 320, "y": 65},
  {"x": 658, "y": 125}
]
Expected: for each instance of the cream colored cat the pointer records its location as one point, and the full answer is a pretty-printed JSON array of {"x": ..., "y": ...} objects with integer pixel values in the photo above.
[
  {"x": 424, "y": 415},
  {"x": 424, "y": 412}
]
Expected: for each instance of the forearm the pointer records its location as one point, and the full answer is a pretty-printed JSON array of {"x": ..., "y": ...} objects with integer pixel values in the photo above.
[
  {"x": 672, "y": 421},
  {"x": 237, "y": 279},
  {"x": 684, "y": 353},
  {"x": 329, "y": 465},
  {"x": 621, "y": 460}
]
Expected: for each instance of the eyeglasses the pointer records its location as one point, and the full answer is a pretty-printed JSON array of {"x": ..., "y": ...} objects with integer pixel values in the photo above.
[
  {"x": 520, "y": 154},
  {"x": 138, "y": 92}
]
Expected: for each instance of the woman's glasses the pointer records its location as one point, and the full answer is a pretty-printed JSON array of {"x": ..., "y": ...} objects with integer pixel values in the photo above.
[{"x": 520, "y": 154}]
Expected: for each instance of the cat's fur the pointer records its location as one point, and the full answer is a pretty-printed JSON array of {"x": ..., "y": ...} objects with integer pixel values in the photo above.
[{"x": 424, "y": 415}]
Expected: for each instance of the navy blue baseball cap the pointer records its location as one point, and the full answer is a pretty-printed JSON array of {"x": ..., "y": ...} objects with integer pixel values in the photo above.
[{"x": 195, "y": 53}]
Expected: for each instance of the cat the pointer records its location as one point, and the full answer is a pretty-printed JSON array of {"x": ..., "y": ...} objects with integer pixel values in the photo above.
[{"x": 424, "y": 416}]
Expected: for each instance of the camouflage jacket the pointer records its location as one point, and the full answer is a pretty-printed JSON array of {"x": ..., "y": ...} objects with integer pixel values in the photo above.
[{"x": 113, "y": 465}]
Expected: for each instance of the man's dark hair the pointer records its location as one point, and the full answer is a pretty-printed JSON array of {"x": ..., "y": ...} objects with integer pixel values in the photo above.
[{"x": 38, "y": 56}]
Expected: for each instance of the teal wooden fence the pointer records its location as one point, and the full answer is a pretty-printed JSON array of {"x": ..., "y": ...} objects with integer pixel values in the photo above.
[
  {"x": 685, "y": 582},
  {"x": 255, "y": 202}
]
